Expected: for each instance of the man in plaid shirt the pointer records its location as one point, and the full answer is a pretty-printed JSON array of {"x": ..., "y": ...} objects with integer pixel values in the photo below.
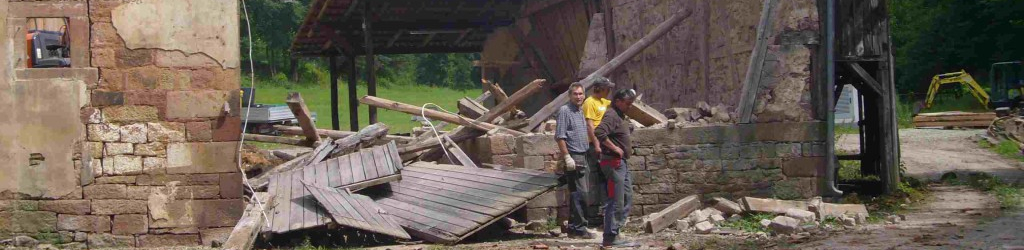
[{"x": 573, "y": 133}]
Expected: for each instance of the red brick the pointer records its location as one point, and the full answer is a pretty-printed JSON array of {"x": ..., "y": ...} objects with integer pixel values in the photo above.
[
  {"x": 113, "y": 207},
  {"x": 199, "y": 131},
  {"x": 126, "y": 224},
  {"x": 231, "y": 185},
  {"x": 227, "y": 128},
  {"x": 102, "y": 98},
  {"x": 168, "y": 240}
]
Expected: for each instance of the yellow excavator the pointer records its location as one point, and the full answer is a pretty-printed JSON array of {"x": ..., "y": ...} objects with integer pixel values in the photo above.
[{"x": 1004, "y": 78}]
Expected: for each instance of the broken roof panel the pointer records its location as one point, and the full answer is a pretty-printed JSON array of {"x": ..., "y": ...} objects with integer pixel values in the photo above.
[{"x": 356, "y": 211}]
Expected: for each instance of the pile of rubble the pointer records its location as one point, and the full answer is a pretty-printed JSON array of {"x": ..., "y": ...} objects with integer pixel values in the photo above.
[
  {"x": 791, "y": 216},
  {"x": 702, "y": 115}
]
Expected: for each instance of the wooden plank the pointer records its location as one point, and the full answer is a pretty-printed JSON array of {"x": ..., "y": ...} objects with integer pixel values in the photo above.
[
  {"x": 371, "y": 182},
  {"x": 954, "y": 113},
  {"x": 298, "y": 107},
  {"x": 310, "y": 215},
  {"x": 644, "y": 114},
  {"x": 369, "y": 166},
  {"x": 460, "y": 156},
  {"x": 372, "y": 218},
  {"x": 295, "y": 221},
  {"x": 243, "y": 235},
  {"x": 282, "y": 202},
  {"x": 333, "y": 171},
  {"x": 344, "y": 170},
  {"x": 357, "y": 167},
  {"x": 526, "y": 187},
  {"x": 366, "y": 136},
  {"x": 657, "y": 221},
  {"x": 443, "y": 208},
  {"x": 548, "y": 110},
  {"x": 468, "y": 183},
  {"x": 488, "y": 173},
  {"x": 380, "y": 158},
  {"x": 276, "y": 139},
  {"x": 342, "y": 215},
  {"x": 456, "y": 220},
  {"x": 385, "y": 219},
  {"x": 954, "y": 118},
  {"x": 431, "y": 218},
  {"x": 434, "y": 114},
  {"x": 868, "y": 80},
  {"x": 260, "y": 182},
  {"x": 470, "y": 108},
  {"x": 454, "y": 194},
  {"x": 496, "y": 91},
  {"x": 393, "y": 159},
  {"x": 322, "y": 179},
  {"x": 424, "y": 230},
  {"x": 748, "y": 94},
  {"x": 337, "y": 134},
  {"x": 401, "y": 190},
  {"x": 465, "y": 190}
]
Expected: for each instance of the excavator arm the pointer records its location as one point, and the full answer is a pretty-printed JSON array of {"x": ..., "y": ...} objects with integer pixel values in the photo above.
[{"x": 961, "y": 77}]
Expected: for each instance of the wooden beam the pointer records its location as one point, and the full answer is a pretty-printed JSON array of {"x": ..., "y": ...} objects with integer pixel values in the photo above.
[
  {"x": 748, "y": 94},
  {"x": 544, "y": 113},
  {"x": 261, "y": 181},
  {"x": 371, "y": 65},
  {"x": 868, "y": 80},
  {"x": 462, "y": 36},
  {"x": 302, "y": 113},
  {"x": 335, "y": 120},
  {"x": 353, "y": 99},
  {"x": 427, "y": 39},
  {"x": 365, "y": 137},
  {"x": 496, "y": 91},
  {"x": 609, "y": 31},
  {"x": 276, "y": 139},
  {"x": 351, "y": 8},
  {"x": 460, "y": 156},
  {"x": 243, "y": 236},
  {"x": 395, "y": 38},
  {"x": 538, "y": 6},
  {"x": 657, "y": 221},
  {"x": 433, "y": 114},
  {"x": 644, "y": 114},
  {"x": 316, "y": 22},
  {"x": 337, "y": 134},
  {"x": 470, "y": 108}
]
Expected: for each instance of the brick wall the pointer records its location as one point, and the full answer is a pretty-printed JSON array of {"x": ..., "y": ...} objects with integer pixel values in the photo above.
[
  {"x": 784, "y": 160},
  {"x": 157, "y": 157}
]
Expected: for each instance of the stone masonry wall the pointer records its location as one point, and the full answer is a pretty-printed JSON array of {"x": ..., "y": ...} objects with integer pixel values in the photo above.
[
  {"x": 784, "y": 160},
  {"x": 155, "y": 165}
]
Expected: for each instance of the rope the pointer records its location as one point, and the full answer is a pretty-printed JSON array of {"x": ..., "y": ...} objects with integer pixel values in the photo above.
[
  {"x": 245, "y": 122},
  {"x": 423, "y": 110}
]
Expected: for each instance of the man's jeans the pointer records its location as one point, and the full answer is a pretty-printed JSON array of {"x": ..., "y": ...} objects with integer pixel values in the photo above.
[
  {"x": 619, "y": 200},
  {"x": 579, "y": 187}
]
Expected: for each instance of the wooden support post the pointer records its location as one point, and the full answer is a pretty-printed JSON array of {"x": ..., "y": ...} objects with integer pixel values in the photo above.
[
  {"x": 243, "y": 236},
  {"x": 660, "y": 220},
  {"x": 544, "y": 113},
  {"x": 867, "y": 79},
  {"x": 433, "y": 114},
  {"x": 609, "y": 31},
  {"x": 460, "y": 156},
  {"x": 536, "y": 61},
  {"x": 302, "y": 113},
  {"x": 753, "y": 78},
  {"x": 371, "y": 66},
  {"x": 353, "y": 100},
  {"x": 366, "y": 136},
  {"x": 276, "y": 139},
  {"x": 335, "y": 121}
]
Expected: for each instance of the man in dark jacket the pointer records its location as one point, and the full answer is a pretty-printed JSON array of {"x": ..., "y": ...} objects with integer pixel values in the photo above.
[{"x": 613, "y": 134}]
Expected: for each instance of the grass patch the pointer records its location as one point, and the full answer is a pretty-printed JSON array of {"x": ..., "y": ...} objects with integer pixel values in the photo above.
[
  {"x": 1005, "y": 148},
  {"x": 1010, "y": 196},
  {"x": 850, "y": 170},
  {"x": 318, "y": 99},
  {"x": 749, "y": 222}
]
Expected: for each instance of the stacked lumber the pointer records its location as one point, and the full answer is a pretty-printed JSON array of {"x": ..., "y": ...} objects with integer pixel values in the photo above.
[{"x": 954, "y": 119}]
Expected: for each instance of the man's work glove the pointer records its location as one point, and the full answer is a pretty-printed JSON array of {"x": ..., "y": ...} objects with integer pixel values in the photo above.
[{"x": 570, "y": 164}]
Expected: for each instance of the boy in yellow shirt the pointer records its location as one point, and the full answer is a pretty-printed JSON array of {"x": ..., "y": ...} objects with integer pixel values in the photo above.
[
  {"x": 595, "y": 105},
  {"x": 593, "y": 110}
]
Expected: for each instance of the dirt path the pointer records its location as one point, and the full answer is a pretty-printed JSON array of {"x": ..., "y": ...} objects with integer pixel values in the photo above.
[{"x": 953, "y": 217}]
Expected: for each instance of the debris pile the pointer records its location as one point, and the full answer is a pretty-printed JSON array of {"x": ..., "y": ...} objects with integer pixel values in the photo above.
[
  {"x": 702, "y": 115},
  {"x": 791, "y": 216}
]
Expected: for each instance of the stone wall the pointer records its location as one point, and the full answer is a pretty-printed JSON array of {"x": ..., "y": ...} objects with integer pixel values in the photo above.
[
  {"x": 138, "y": 139},
  {"x": 784, "y": 160}
]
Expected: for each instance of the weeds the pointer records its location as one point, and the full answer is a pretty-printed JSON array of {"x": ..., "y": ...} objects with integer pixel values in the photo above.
[
  {"x": 1005, "y": 148},
  {"x": 907, "y": 192},
  {"x": 1009, "y": 195},
  {"x": 749, "y": 223}
]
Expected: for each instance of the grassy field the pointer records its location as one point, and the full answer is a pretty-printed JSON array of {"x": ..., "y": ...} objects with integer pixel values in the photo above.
[{"x": 318, "y": 100}]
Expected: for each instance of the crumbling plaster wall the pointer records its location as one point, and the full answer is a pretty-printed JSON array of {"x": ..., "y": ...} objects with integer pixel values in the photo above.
[{"x": 141, "y": 132}]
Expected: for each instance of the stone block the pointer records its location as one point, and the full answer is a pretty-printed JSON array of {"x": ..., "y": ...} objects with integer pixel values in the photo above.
[
  {"x": 196, "y": 104},
  {"x": 540, "y": 213},
  {"x": 155, "y": 98},
  {"x": 732, "y": 151},
  {"x": 154, "y": 165},
  {"x": 504, "y": 160},
  {"x": 133, "y": 133},
  {"x": 164, "y": 179},
  {"x": 771, "y": 205},
  {"x": 151, "y": 149},
  {"x": 95, "y": 149},
  {"x": 640, "y": 163},
  {"x": 91, "y": 115},
  {"x": 211, "y": 235},
  {"x": 826, "y": 210},
  {"x": 116, "y": 180},
  {"x": 168, "y": 240},
  {"x": 118, "y": 148},
  {"x": 102, "y": 98},
  {"x": 768, "y": 150},
  {"x": 784, "y": 225},
  {"x": 110, "y": 241},
  {"x": 113, "y": 207},
  {"x": 703, "y": 227},
  {"x": 787, "y": 150},
  {"x": 199, "y": 131},
  {"x": 28, "y": 221},
  {"x": 641, "y": 177},
  {"x": 791, "y": 131},
  {"x": 84, "y": 223},
  {"x": 750, "y": 151},
  {"x": 105, "y": 191},
  {"x": 16, "y": 205},
  {"x": 536, "y": 145},
  {"x": 153, "y": 78},
  {"x": 501, "y": 144},
  {"x": 664, "y": 176},
  {"x": 231, "y": 185},
  {"x": 166, "y": 132},
  {"x": 129, "y": 58},
  {"x": 739, "y": 165},
  {"x": 800, "y": 214},
  {"x": 727, "y": 206},
  {"x": 196, "y": 158},
  {"x": 78, "y": 207},
  {"x": 529, "y": 162},
  {"x": 227, "y": 128},
  {"x": 139, "y": 192},
  {"x": 804, "y": 167},
  {"x": 128, "y": 224},
  {"x": 178, "y": 59},
  {"x": 644, "y": 199},
  {"x": 547, "y": 199},
  {"x": 655, "y": 188},
  {"x": 194, "y": 213},
  {"x": 215, "y": 78},
  {"x": 103, "y": 58},
  {"x": 104, "y": 132},
  {"x": 124, "y": 165},
  {"x": 130, "y": 114}
]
